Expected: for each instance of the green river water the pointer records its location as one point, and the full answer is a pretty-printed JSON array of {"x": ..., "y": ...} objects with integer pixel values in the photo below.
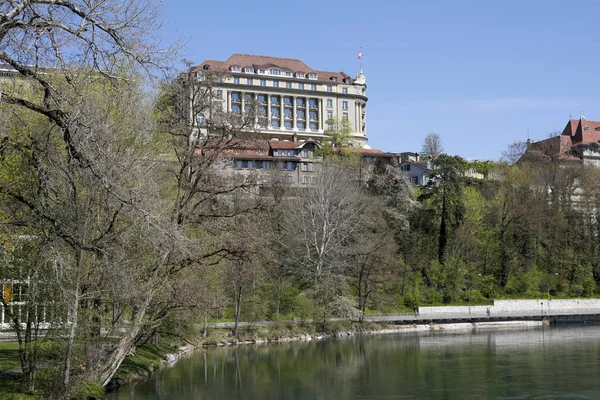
[{"x": 558, "y": 362}]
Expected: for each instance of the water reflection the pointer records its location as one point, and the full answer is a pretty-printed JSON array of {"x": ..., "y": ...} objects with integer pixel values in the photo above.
[{"x": 557, "y": 362}]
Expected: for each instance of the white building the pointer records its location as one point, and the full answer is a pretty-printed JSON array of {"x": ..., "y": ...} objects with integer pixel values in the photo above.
[{"x": 295, "y": 99}]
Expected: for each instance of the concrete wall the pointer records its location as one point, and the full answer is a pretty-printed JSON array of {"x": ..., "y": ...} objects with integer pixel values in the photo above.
[{"x": 518, "y": 306}]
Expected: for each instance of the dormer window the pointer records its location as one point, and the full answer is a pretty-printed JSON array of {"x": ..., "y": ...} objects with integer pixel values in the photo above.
[
  {"x": 312, "y": 76},
  {"x": 206, "y": 67},
  {"x": 249, "y": 70},
  {"x": 262, "y": 71},
  {"x": 275, "y": 71},
  {"x": 334, "y": 78},
  {"x": 200, "y": 76},
  {"x": 236, "y": 69},
  {"x": 347, "y": 80},
  {"x": 299, "y": 74},
  {"x": 287, "y": 73}
]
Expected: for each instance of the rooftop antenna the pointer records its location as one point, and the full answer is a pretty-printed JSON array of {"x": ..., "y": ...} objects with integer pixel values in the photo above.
[{"x": 527, "y": 132}]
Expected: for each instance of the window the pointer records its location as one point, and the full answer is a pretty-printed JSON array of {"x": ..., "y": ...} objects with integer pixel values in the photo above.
[
  {"x": 299, "y": 75},
  {"x": 235, "y": 96},
  {"x": 201, "y": 119},
  {"x": 300, "y": 114},
  {"x": 306, "y": 153},
  {"x": 243, "y": 164},
  {"x": 262, "y": 164},
  {"x": 287, "y": 113},
  {"x": 347, "y": 80},
  {"x": 275, "y": 123},
  {"x": 250, "y": 82},
  {"x": 414, "y": 180},
  {"x": 200, "y": 76},
  {"x": 406, "y": 167},
  {"x": 263, "y": 82},
  {"x": 289, "y": 165},
  {"x": 313, "y": 115},
  {"x": 249, "y": 70},
  {"x": 301, "y": 125},
  {"x": 290, "y": 178},
  {"x": 329, "y": 103},
  {"x": 345, "y": 116},
  {"x": 287, "y": 73},
  {"x": 287, "y": 101},
  {"x": 262, "y": 111},
  {"x": 344, "y": 105},
  {"x": 313, "y": 87},
  {"x": 329, "y": 88},
  {"x": 312, "y": 76},
  {"x": 248, "y": 97},
  {"x": 219, "y": 94},
  {"x": 276, "y": 84},
  {"x": 312, "y": 103},
  {"x": 313, "y": 126},
  {"x": 344, "y": 90},
  {"x": 300, "y": 102},
  {"x": 274, "y": 99},
  {"x": 274, "y": 71},
  {"x": 288, "y": 85},
  {"x": 329, "y": 114},
  {"x": 236, "y": 80},
  {"x": 235, "y": 108},
  {"x": 304, "y": 180},
  {"x": 262, "y": 71},
  {"x": 262, "y": 98},
  {"x": 303, "y": 167},
  {"x": 275, "y": 112},
  {"x": 301, "y": 86},
  {"x": 334, "y": 78},
  {"x": 287, "y": 124},
  {"x": 236, "y": 69}
]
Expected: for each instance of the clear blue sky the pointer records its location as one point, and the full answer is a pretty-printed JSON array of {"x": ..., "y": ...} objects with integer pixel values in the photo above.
[{"x": 476, "y": 72}]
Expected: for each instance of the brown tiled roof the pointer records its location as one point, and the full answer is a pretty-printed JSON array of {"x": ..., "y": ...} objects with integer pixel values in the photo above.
[
  {"x": 284, "y": 145},
  {"x": 576, "y": 133},
  {"x": 374, "y": 153},
  {"x": 254, "y": 61}
]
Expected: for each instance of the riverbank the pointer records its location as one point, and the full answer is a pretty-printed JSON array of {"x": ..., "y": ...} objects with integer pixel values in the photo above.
[
  {"x": 145, "y": 361},
  {"x": 289, "y": 333}
]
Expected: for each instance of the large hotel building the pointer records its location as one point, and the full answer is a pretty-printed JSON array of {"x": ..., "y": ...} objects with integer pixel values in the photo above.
[{"x": 294, "y": 99}]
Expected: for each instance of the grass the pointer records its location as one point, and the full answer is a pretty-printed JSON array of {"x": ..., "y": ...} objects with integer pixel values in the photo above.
[
  {"x": 9, "y": 355},
  {"x": 146, "y": 359}
]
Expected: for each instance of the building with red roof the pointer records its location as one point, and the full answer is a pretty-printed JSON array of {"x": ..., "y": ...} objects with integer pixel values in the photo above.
[
  {"x": 578, "y": 142},
  {"x": 293, "y": 100}
]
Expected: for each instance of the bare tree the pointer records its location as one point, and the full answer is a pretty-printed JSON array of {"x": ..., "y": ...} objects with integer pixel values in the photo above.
[
  {"x": 320, "y": 222},
  {"x": 432, "y": 145},
  {"x": 514, "y": 152}
]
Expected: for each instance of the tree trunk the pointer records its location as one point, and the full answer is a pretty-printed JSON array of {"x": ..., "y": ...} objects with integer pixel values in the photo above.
[
  {"x": 71, "y": 340},
  {"x": 126, "y": 343},
  {"x": 238, "y": 311}
]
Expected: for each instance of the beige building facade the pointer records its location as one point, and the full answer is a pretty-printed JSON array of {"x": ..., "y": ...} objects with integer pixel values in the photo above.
[{"x": 294, "y": 100}]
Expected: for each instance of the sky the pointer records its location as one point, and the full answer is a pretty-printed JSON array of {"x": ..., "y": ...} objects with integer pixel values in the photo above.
[{"x": 481, "y": 74}]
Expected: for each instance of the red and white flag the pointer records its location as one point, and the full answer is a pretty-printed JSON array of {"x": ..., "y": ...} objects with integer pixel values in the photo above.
[{"x": 360, "y": 54}]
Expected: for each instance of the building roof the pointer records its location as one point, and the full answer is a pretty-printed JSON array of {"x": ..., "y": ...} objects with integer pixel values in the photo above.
[
  {"x": 284, "y": 145},
  {"x": 575, "y": 134},
  {"x": 374, "y": 153},
  {"x": 264, "y": 62}
]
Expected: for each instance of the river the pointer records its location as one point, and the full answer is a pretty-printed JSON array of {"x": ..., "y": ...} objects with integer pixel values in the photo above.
[{"x": 557, "y": 362}]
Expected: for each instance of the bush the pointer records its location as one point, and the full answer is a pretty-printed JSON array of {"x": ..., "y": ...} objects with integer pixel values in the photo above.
[{"x": 589, "y": 287}]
